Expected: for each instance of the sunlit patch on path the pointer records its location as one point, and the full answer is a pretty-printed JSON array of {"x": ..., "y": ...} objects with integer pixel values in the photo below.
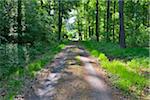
[
  {"x": 96, "y": 81},
  {"x": 70, "y": 76}
]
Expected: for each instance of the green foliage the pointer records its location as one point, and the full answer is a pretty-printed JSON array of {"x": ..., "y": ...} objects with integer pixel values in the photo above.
[
  {"x": 136, "y": 23},
  {"x": 102, "y": 57},
  {"x": 13, "y": 78},
  {"x": 39, "y": 22}
]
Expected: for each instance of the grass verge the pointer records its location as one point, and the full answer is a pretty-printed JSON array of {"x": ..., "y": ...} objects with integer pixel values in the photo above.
[{"x": 128, "y": 68}]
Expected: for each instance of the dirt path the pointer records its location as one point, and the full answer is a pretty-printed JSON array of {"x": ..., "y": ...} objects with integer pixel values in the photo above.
[{"x": 73, "y": 75}]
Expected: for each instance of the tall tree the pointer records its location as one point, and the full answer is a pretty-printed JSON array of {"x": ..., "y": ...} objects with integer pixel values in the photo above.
[
  {"x": 79, "y": 26},
  {"x": 108, "y": 19},
  {"x": 20, "y": 41},
  {"x": 114, "y": 20},
  {"x": 121, "y": 19},
  {"x": 59, "y": 19},
  {"x": 19, "y": 20},
  {"x": 97, "y": 20}
]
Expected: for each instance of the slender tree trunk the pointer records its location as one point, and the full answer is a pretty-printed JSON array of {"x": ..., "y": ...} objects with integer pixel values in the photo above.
[
  {"x": 41, "y": 3},
  {"x": 92, "y": 31},
  {"x": 97, "y": 21},
  {"x": 79, "y": 27},
  {"x": 93, "y": 19},
  {"x": 88, "y": 20},
  {"x": 20, "y": 48},
  {"x": 121, "y": 19},
  {"x": 79, "y": 31},
  {"x": 59, "y": 20},
  {"x": 19, "y": 18},
  {"x": 114, "y": 21},
  {"x": 104, "y": 23},
  {"x": 108, "y": 19},
  {"x": 89, "y": 31}
]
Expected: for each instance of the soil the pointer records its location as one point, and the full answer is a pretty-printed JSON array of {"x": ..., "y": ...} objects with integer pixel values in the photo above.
[{"x": 72, "y": 75}]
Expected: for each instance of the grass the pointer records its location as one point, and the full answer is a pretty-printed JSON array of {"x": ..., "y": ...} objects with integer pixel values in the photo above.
[
  {"x": 13, "y": 82},
  {"x": 128, "y": 68}
]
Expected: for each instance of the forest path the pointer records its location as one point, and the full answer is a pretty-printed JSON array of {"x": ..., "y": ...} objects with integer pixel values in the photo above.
[{"x": 72, "y": 75}]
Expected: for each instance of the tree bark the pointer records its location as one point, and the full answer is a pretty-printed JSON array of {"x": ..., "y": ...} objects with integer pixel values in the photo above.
[
  {"x": 108, "y": 17},
  {"x": 19, "y": 18},
  {"x": 97, "y": 21},
  {"x": 59, "y": 20},
  {"x": 89, "y": 31},
  {"x": 21, "y": 58},
  {"x": 121, "y": 19},
  {"x": 92, "y": 31},
  {"x": 104, "y": 24},
  {"x": 114, "y": 21},
  {"x": 79, "y": 26}
]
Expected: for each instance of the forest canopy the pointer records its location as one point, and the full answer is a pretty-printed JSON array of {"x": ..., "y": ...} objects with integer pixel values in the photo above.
[{"x": 45, "y": 20}]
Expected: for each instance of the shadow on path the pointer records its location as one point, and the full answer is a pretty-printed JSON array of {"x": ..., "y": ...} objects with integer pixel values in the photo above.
[{"x": 70, "y": 76}]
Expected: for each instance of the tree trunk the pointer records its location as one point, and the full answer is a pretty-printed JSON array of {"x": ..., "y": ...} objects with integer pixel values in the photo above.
[
  {"x": 19, "y": 18},
  {"x": 59, "y": 20},
  {"x": 92, "y": 31},
  {"x": 20, "y": 41},
  {"x": 114, "y": 21},
  {"x": 41, "y": 3},
  {"x": 104, "y": 24},
  {"x": 89, "y": 31},
  {"x": 108, "y": 17},
  {"x": 121, "y": 19},
  {"x": 97, "y": 21},
  {"x": 79, "y": 30}
]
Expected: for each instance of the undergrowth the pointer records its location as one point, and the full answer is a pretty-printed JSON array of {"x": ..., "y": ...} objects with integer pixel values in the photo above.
[{"x": 13, "y": 78}]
